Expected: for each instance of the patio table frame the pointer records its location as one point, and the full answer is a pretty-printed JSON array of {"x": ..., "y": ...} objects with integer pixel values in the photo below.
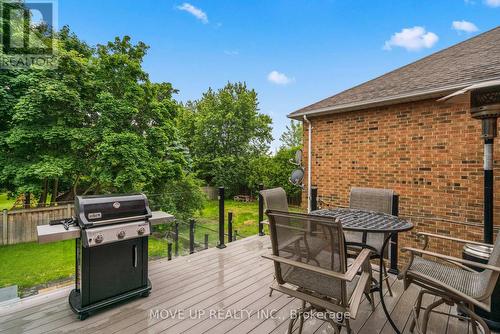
[{"x": 370, "y": 222}]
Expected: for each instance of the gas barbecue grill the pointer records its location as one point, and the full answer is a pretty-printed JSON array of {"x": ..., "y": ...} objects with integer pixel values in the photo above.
[
  {"x": 111, "y": 235},
  {"x": 112, "y": 251}
]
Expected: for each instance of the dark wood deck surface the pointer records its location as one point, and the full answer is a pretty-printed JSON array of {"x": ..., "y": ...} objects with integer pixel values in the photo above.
[{"x": 227, "y": 281}]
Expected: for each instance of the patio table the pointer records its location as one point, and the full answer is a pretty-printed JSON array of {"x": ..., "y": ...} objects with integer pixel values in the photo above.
[{"x": 370, "y": 222}]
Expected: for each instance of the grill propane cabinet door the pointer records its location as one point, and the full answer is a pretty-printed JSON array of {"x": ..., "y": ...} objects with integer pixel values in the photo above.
[{"x": 114, "y": 268}]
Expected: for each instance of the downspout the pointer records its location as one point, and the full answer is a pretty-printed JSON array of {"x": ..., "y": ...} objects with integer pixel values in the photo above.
[{"x": 309, "y": 163}]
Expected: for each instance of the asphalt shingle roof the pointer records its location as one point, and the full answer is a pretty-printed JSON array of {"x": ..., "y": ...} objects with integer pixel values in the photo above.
[{"x": 474, "y": 60}]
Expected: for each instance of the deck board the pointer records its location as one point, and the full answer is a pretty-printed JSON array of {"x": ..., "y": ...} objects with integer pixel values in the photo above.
[{"x": 229, "y": 280}]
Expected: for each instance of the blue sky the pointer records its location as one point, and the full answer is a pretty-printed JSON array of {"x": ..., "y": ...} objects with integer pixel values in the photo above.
[{"x": 293, "y": 52}]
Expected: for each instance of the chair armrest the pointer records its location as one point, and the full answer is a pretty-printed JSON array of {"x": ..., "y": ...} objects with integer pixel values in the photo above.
[
  {"x": 451, "y": 259},
  {"x": 426, "y": 235},
  {"x": 348, "y": 276},
  {"x": 362, "y": 258}
]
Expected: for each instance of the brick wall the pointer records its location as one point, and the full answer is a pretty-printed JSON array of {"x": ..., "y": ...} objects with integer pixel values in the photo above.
[{"x": 430, "y": 153}]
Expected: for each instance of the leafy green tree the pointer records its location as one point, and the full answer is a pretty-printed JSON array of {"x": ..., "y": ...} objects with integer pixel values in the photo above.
[
  {"x": 292, "y": 137},
  {"x": 95, "y": 124},
  {"x": 274, "y": 171},
  {"x": 224, "y": 131}
]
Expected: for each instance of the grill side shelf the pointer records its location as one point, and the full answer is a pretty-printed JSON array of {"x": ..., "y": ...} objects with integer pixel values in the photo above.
[{"x": 53, "y": 233}]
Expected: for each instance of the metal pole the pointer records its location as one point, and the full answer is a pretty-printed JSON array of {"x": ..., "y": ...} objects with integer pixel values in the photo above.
[
  {"x": 221, "y": 219},
  {"x": 206, "y": 241},
  {"x": 176, "y": 238},
  {"x": 261, "y": 211},
  {"x": 169, "y": 251},
  {"x": 488, "y": 191},
  {"x": 314, "y": 198},
  {"x": 230, "y": 226},
  {"x": 394, "y": 239},
  {"x": 191, "y": 236}
]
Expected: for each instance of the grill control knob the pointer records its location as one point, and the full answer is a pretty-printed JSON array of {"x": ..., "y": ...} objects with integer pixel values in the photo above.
[
  {"x": 99, "y": 238},
  {"x": 121, "y": 235},
  {"x": 141, "y": 231}
]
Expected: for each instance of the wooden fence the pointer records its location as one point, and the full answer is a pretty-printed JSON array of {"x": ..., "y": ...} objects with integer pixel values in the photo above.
[{"x": 19, "y": 226}]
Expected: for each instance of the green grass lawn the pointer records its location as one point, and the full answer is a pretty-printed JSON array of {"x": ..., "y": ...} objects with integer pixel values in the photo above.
[
  {"x": 32, "y": 264},
  {"x": 245, "y": 216},
  {"x": 5, "y": 203}
]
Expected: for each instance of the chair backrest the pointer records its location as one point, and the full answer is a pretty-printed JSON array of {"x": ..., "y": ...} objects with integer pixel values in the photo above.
[
  {"x": 275, "y": 199},
  {"x": 373, "y": 199},
  {"x": 488, "y": 277},
  {"x": 323, "y": 247}
]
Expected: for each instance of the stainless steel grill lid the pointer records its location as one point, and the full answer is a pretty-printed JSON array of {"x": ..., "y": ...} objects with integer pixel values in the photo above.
[{"x": 111, "y": 209}]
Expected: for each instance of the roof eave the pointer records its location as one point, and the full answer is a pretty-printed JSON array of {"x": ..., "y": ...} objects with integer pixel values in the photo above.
[{"x": 409, "y": 97}]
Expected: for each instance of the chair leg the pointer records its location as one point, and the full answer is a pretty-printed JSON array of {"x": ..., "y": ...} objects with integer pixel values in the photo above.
[
  {"x": 348, "y": 326},
  {"x": 290, "y": 325},
  {"x": 386, "y": 279},
  {"x": 301, "y": 317},
  {"x": 369, "y": 297},
  {"x": 427, "y": 313},
  {"x": 475, "y": 318},
  {"x": 418, "y": 305},
  {"x": 301, "y": 322},
  {"x": 270, "y": 292},
  {"x": 334, "y": 326}
]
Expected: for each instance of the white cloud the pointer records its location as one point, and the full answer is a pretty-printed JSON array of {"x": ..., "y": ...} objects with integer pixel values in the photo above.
[
  {"x": 279, "y": 78},
  {"x": 196, "y": 12},
  {"x": 465, "y": 26},
  {"x": 493, "y": 3},
  {"x": 231, "y": 52},
  {"x": 412, "y": 39}
]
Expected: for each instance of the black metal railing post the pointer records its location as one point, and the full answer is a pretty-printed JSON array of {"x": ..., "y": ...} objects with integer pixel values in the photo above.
[
  {"x": 206, "y": 241},
  {"x": 191, "y": 236},
  {"x": 261, "y": 211},
  {"x": 394, "y": 248},
  {"x": 221, "y": 219},
  {"x": 230, "y": 226},
  {"x": 169, "y": 251},
  {"x": 176, "y": 238},
  {"x": 314, "y": 198}
]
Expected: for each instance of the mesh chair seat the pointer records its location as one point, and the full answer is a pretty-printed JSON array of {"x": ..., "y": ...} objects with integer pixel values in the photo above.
[
  {"x": 320, "y": 284},
  {"x": 470, "y": 283}
]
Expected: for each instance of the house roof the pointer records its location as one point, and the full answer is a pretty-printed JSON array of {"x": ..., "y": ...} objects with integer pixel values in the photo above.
[{"x": 472, "y": 61}]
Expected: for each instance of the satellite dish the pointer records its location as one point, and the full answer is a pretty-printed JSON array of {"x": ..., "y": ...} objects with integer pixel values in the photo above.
[
  {"x": 297, "y": 161},
  {"x": 297, "y": 177}
]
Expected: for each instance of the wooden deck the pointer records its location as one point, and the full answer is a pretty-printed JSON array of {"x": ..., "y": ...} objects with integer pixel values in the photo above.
[{"x": 233, "y": 279}]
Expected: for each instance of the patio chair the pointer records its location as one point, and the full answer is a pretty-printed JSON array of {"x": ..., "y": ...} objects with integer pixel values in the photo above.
[
  {"x": 326, "y": 287},
  {"x": 371, "y": 199},
  {"x": 275, "y": 199},
  {"x": 452, "y": 281}
]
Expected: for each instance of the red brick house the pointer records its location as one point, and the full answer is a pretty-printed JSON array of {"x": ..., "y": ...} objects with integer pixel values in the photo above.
[{"x": 391, "y": 132}]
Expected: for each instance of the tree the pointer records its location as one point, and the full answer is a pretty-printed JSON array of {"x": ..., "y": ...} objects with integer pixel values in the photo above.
[
  {"x": 224, "y": 131},
  {"x": 95, "y": 124},
  {"x": 292, "y": 137},
  {"x": 274, "y": 171}
]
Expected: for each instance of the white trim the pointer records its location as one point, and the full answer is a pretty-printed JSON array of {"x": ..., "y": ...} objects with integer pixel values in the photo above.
[
  {"x": 408, "y": 97},
  {"x": 309, "y": 163}
]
